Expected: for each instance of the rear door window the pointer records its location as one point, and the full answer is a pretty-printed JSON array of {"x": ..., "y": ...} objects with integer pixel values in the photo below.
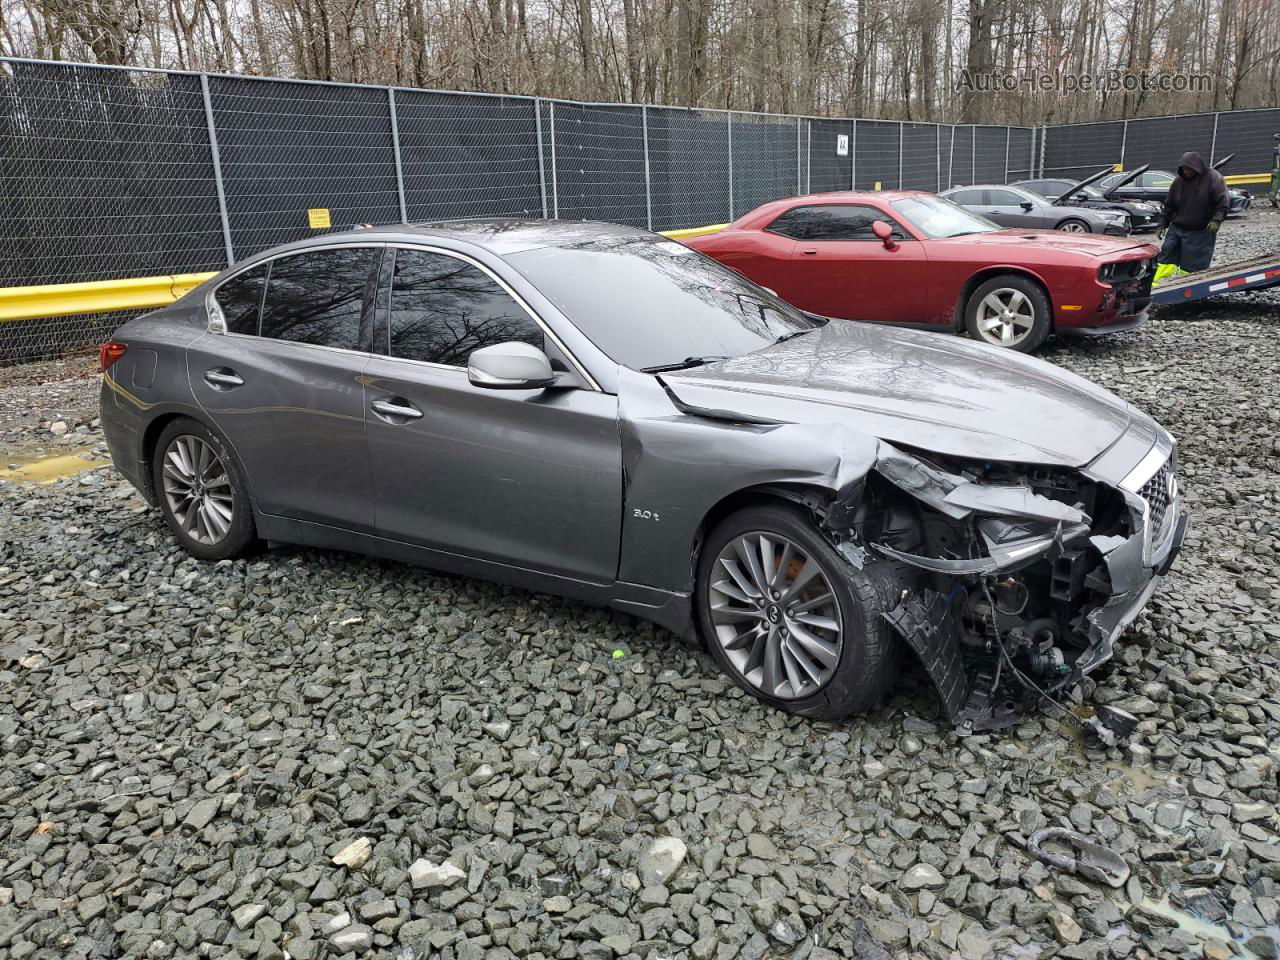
[
  {"x": 966, "y": 198},
  {"x": 845, "y": 221},
  {"x": 1004, "y": 198},
  {"x": 240, "y": 300},
  {"x": 442, "y": 308},
  {"x": 322, "y": 297}
]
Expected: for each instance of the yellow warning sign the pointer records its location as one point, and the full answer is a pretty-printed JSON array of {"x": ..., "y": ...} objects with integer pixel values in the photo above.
[{"x": 318, "y": 218}]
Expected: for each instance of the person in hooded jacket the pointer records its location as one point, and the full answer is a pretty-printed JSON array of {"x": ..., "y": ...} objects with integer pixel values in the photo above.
[{"x": 1194, "y": 209}]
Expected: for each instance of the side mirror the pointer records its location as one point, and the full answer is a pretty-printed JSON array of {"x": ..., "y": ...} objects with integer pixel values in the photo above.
[
  {"x": 1027, "y": 205},
  {"x": 510, "y": 366},
  {"x": 884, "y": 233}
]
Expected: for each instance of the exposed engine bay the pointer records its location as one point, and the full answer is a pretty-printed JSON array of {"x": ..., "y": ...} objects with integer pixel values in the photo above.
[{"x": 1015, "y": 581}]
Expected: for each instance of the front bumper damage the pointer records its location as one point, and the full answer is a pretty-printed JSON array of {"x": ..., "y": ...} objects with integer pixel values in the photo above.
[{"x": 1018, "y": 591}]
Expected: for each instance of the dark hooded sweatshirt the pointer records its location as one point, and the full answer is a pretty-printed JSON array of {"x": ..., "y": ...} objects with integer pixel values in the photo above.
[{"x": 1191, "y": 204}]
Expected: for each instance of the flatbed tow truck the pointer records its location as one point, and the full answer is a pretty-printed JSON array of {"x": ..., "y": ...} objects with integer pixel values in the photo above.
[{"x": 1257, "y": 274}]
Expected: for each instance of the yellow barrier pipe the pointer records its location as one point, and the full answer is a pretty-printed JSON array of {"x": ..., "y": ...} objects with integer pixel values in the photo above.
[
  {"x": 145, "y": 293},
  {"x": 101, "y": 296}
]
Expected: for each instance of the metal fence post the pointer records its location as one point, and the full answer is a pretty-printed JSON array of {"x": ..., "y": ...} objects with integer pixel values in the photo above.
[
  {"x": 542, "y": 164},
  {"x": 648, "y": 188},
  {"x": 1213, "y": 144},
  {"x": 1124, "y": 142},
  {"x": 217, "y": 169},
  {"x": 799, "y": 168},
  {"x": 729, "y": 114},
  {"x": 1031, "y": 156},
  {"x": 1008, "y": 132},
  {"x": 395, "y": 147},
  {"x": 901, "y": 140},
  {"x": 853, "y": 154},
  {"x": 555, "y": 185},
  {"x": 973, "y": 153},
  {"x": 951, "y": 158},
  {"x": 937, "y": 157},
  {"x": 808, "y": 156}
]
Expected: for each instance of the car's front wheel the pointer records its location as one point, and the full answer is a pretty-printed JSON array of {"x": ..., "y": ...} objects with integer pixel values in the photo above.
[
  {"x": 1072, "y": 225},
  {"x": 1008, "y": 311},
  {"x": 790, "y": 620},
  {"x": 202, "y": 492}
]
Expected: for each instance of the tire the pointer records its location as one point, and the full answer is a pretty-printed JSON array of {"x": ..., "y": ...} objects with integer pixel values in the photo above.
[
  {"x": 862, "y": 654},
  {"x": 1027, "y": 321},
  {"x": 1073, "y": 225},
  {"x": 218, "y": 525}
]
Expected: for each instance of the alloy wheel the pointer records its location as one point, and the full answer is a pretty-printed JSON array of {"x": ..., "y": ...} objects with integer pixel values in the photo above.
[
  {"x": 197, "y": 489},
  {"x": 1006, "y": 317},
  {"x": 1073, "y": 226},
  {"x": 775, "y": 615}
]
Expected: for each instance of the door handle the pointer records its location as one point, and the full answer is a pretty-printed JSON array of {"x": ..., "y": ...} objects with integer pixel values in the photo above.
[
  {"x": 810, "y": 252},
  {"x": 403, "y": 408},
  {"x": 223, "y": 379}
]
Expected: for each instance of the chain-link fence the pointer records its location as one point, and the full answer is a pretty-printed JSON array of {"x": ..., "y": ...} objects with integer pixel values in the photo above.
[
  {"x": 1081, "y": 149},
  {"x": 108, "y": 173}
]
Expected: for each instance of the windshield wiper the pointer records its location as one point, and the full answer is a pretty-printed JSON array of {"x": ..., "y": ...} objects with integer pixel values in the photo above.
[
  {"x": 794, "y": 333},
  {"x": 684, "y": 364}
]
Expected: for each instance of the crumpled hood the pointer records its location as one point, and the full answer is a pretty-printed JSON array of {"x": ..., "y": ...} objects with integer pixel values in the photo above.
[{"x": 930, "y": 391}]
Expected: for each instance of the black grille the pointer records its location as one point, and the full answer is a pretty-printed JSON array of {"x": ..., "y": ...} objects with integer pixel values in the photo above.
[{"x": 1158, "y": 492}]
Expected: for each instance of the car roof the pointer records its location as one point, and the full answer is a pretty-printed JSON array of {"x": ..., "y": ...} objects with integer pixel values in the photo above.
[
  {"x": 849, "y": 196},
  {"x": 500, "y": 236}
]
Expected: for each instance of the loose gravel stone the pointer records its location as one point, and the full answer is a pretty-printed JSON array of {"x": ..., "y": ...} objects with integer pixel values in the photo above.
[
  {"x": 265, "y": 756},
  {"x": 661, "y": 860}
]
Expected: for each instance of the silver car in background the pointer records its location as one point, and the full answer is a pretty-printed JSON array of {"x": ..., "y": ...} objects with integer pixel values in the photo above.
[{"x": 1015, "y": 207}]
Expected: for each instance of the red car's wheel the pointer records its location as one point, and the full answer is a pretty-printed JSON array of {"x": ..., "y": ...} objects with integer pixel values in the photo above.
[{"x": 1009, "y": 311}]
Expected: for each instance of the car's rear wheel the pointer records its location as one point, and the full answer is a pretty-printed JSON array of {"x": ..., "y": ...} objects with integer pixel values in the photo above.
[
  {"x": 1072, "y": 225},
  {"x": 1009, "y": 311},
  {"x": 202, "y": 492},
  {"x": 789, "y": 620}
]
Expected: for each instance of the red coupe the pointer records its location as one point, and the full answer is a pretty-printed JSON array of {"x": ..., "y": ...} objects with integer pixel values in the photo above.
[{"x": 914, "y": 259}]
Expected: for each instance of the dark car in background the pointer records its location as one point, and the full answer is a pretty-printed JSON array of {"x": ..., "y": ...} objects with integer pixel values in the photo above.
[
  {"x": 1154, "y": 185},
  {"x": 598, "y": 412},
  {"x": 1015, "y": 207},
  {"x": 1143, "y": 216}
]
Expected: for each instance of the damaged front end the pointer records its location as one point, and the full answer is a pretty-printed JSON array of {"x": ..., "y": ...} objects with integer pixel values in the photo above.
[{"x": 1016, "y": 580}]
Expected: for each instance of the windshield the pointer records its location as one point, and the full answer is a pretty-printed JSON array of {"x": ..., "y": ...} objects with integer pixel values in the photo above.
[
  {"x": 937, "y": 218},
  {"x": 649, "y": 302}
]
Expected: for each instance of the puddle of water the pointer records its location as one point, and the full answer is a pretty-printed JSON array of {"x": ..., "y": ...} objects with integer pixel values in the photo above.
[
  {"x": 1197, "y": 927},
  {"x": 48, "y": 469},
  {"x": 1140, "y": 777}
]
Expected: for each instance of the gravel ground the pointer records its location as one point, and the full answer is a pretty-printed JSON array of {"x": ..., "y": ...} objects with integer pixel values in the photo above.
[{"x": 320, "y": 755}]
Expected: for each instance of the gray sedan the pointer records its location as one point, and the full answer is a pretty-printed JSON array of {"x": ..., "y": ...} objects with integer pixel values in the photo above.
[
  {"x": 1015, "y": 207},
  {"x": 598, "y": 412}
]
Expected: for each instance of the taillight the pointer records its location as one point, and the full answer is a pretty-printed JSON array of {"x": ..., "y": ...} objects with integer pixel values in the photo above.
[{"x": 109, "y": 353}]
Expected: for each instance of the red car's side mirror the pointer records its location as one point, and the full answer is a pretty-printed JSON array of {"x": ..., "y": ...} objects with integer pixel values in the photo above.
[{"x": 884, "y": 233}]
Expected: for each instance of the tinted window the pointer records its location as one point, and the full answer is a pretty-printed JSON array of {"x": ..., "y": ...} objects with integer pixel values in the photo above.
[
  {"x": 1161, "y": 180},
  {"x": 966, "y": 198},
  {"x": 1004, "y": 198},
  {"x": 646, "y": 301},
  {"x": 319, "y": 297},
  {"x": 241, "y": 299},
  {"x": 844, "y": 221},
  {"x": 442, "y": 308}
]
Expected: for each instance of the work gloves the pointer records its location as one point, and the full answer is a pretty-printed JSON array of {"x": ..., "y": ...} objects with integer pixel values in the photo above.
[{"x": 1213, "y": 226}]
